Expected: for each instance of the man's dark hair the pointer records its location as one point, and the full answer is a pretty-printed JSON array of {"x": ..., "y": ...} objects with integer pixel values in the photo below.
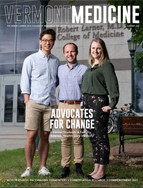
[
  {"x": 76, "y": 48},
  {"x": 49, "y": 32}
]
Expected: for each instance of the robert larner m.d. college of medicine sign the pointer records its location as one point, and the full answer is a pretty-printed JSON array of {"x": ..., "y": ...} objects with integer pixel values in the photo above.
[{"x": 89, "y": 32}]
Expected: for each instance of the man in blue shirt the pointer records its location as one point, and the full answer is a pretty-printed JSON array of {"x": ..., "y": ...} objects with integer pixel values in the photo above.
[
  {"x": 70, "y": 80},
  {"x": 38, "y": 84}
]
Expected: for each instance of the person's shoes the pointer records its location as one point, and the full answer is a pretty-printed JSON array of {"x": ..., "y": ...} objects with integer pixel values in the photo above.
[
  {"x": 65, "y": 172},
  {"x": 78, "y": 169},
  {"x": 27, "y": 172},
  {"x": 88, "y": 176},
  {"x": 93, "y": 179},
  {"x": 44, "y": 171}
]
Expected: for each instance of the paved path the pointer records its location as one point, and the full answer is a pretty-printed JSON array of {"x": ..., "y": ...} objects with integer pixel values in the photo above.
[
  {"x": 131, "y": 150},
  {"x": 13, "y": 137}
]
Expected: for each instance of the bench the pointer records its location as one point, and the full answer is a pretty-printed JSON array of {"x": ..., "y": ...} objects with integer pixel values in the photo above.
[{"x": 129, "y": 126}]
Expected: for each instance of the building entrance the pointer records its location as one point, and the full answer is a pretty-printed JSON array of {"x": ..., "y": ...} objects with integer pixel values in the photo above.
[{"x": 12, "y": 101}]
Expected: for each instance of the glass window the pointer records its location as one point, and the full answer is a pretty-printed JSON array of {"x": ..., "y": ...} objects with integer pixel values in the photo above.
[
  {"x": 7, "y": 1},
  {"x": 28, "y": 32},
  {"x": 27, "y": 38},
  {"x": 18, "y": 68},
  {"x": 7, "y": 8},
  {"x": 2, "y": 11},
  {"x": 20, "y": 56},
  {"x": 8, "y": 111},
  {"x": 28, "y": 0},
  {"x": 7, "y": 69},
  {"x": 17, "y": 42},
  {"x": 6, "y": 57},
  {"x": 30, "y": 4},
  {"x": 7, "y": 35},
  {"x": 21, "y": 0},
  {"x": 30, "y": 13}
]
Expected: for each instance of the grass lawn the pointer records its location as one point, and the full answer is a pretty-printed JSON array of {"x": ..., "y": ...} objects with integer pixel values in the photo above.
[{"x": 13, "y": 163}]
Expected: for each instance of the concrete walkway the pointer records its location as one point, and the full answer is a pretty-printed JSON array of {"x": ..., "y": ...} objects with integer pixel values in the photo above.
[
  {"x": 130, "y": 150},
  {"x": 14, "y": 137}
]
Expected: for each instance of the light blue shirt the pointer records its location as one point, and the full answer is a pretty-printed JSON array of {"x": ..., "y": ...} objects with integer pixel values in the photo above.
[
  {"x": 39, "y": 78},
  {"x": 70, "y": 81}
]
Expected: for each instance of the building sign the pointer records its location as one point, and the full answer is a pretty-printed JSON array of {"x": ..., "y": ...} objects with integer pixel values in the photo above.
[{"x": 89, "y": 32}]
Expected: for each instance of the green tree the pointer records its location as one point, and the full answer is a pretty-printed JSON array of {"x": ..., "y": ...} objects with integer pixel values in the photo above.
[
  {"x": 138, "y": 97},
  {"x": 139, "y": 62},
  {"x": 136, "y": 29}
]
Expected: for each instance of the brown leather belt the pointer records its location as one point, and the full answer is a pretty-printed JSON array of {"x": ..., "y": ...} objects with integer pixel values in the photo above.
[{"x": 71, "y": 102}]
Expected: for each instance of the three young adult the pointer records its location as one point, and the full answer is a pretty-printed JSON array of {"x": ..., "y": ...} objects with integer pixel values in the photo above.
[{"x": 38, "y": 84}]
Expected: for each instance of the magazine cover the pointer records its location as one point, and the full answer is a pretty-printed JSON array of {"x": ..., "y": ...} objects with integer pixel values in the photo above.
[{"x": 71, "y": 93}]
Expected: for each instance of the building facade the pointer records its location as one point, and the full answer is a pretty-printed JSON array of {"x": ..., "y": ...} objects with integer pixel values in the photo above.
[{"x": 19, "y": 37}]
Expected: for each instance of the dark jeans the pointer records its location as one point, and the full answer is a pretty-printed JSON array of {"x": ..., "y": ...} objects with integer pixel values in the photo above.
[{"x": 98, "y": 135}]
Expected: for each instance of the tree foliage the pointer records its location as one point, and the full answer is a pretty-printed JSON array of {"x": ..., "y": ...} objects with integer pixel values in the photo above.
[
  {"x": 139, "y": 62},
  {"x": 136, "y": 29}
]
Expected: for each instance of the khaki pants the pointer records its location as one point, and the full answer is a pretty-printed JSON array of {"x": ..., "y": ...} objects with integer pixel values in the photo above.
[
  {"x": 68, "y": 135},
  {"x": 37, "y": 116}
]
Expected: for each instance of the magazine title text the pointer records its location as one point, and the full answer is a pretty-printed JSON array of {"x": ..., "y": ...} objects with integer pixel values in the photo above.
[{"x": 89, "y": 14}]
